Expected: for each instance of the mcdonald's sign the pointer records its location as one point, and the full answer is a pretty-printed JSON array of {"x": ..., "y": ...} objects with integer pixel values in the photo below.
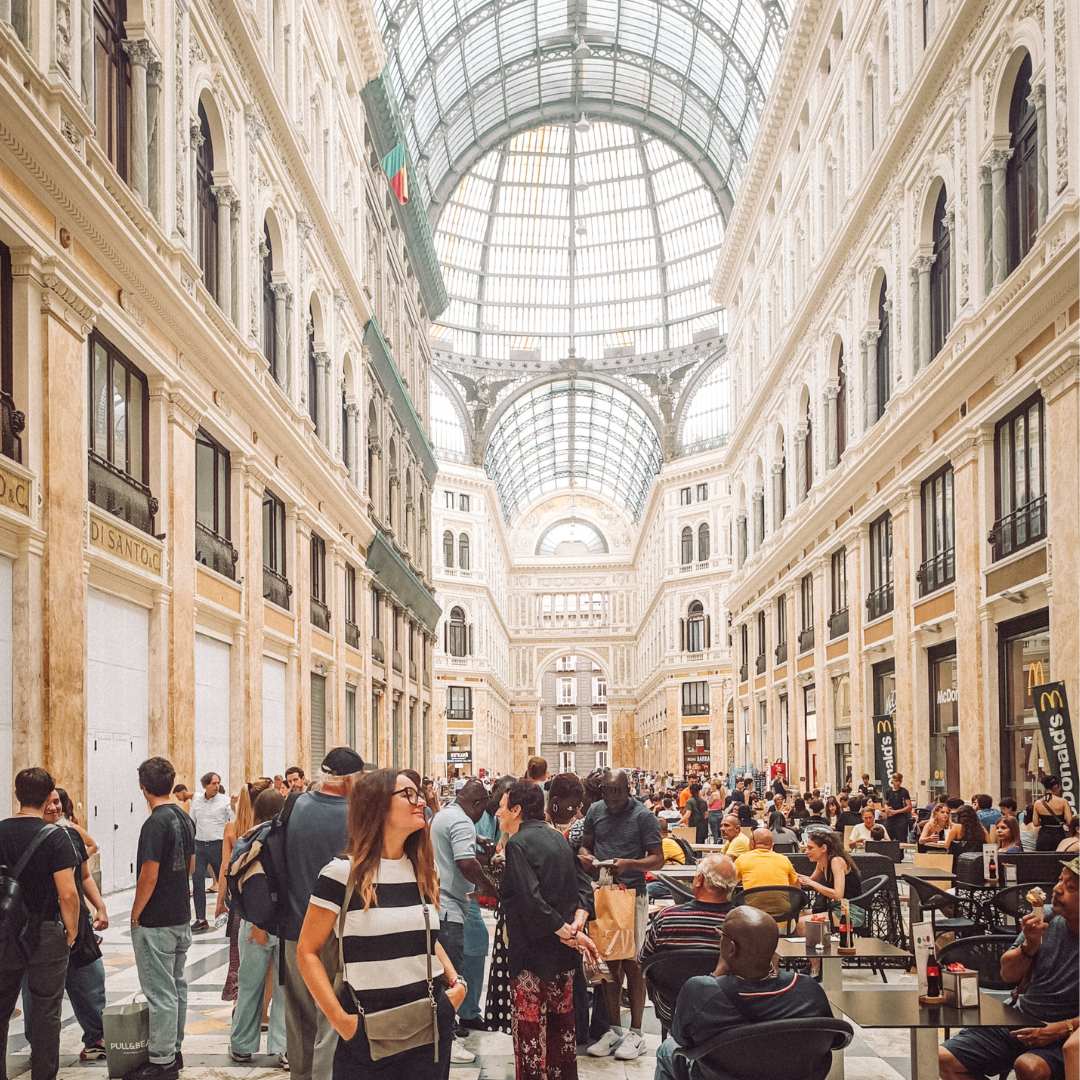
[
  {"x": 1036, "y": 676},
  {"x": 884, "y": 748},
  {"x": 1052, "y": 708}
]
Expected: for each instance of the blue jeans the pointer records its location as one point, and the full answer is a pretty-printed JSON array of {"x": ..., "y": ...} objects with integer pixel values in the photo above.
[
  {"x": 207, "y": 854},
  {"x": 86, "y": 990},
  {"x": 160, "y": 957},
  {"x": 668, "y": 1066},
  {"x": 255, "y": 961},
  {"x": 452, "y": 939},
  {"x": 657, "y": 890},
  {"x": 474, "y": 956}
]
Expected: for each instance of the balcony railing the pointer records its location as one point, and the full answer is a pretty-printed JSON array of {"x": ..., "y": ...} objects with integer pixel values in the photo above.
[
  {"x": 780, "y": 652},
  {"x": 806, "y": 639},
  {"x": 743, "y": 673},
  {"x": 276, "y": 587},
  {"x": 600, "y": 736},
  {"x": 215, "y": 551},
  {"x": 378, "y": 650},
  {"x": 458, "y": 714},
  {"x": 879, "y": 601},
  {"x": 696, "y": 708},
  {"x": 12, "y": 423},
  {"x": 937, "y": 572},
  {"x": 565, "y": 737},
  {"x": 838, "y": 623},
  {"x": 1023, "y": 526},
  {"x": 352, "y": 634},
  {"x": 397, "y": 661},
  {"x": 759, "y": 663},
  {"x": 117, "y": 493},
  {"x": 320, "y": 614}
]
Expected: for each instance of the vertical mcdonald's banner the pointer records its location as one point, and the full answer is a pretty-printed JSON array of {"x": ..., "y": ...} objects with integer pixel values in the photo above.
[
  {"x": 1052, "y": 708},
  {"x": 394, "y": 167},
  {"x": 884, "y": 748}
]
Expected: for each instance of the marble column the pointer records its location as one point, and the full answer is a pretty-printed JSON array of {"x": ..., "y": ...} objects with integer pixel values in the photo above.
[
  {"x": 832, "y": 392},
  {"x": 999, "y": 159},
  {"x": 154, "y": 74},
  {"x": 86, "y": 43},
  {"x": 352, "y": 412},
  {"x": 868, "y": 359},
  {"x": 954, "y": 247},
  {"x": 140, "y": 55},
  {"x": 282, "y": 292},
  {"x": 252, "y": 490},
  {"x": 800, "y": 461},
  {"x": 1038, "y": 100},
  {"x": 923, "y": 263},
  {"x": 195, "y": 141},
  {"x": 225, "y": 197},
  {"x": 322, "y": 407},
  {"x": 905, "y": 561},
  {"x": 986, "y": 202},
  {"x": 777, "y": 494}
]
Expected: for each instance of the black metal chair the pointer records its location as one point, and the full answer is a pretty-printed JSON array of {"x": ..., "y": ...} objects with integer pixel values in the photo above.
[
  {"x": 1036, "y": 866},
  {"x": 872, "y": 886},
  {"x": 936, "y": 900},
  {"x": 783, "y": 902},
  {"x": 666, "y": 971},
  {"x": 1012, "y": 902},
  {"x": 687, "y": 850},
  {"x": 982, "y": 954},
  {"x": 753, "y": 1051}
]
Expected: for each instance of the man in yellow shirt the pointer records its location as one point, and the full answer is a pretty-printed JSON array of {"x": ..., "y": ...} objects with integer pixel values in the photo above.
[
  {"x": 733, "y": 840},
  {"x": 761, "y": 866}
]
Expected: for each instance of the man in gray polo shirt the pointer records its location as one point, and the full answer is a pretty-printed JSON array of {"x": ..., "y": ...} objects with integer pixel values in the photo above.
[
  {"x": 453, "y": 836},
  {"x": 619, "y": 828}
]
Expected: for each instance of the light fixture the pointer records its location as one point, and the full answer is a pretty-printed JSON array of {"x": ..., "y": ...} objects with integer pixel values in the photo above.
[
  {"x": 582, "y": 125},
  {"x": 581, "y": 230},
  {"x": 581, "y": 49}
]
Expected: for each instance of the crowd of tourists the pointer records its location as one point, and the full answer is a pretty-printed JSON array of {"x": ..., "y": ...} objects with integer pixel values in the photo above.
[{"x": 375, "y": 962}]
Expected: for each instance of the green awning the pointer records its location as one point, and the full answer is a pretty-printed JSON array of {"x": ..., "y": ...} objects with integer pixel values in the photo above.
[{"x": 393, "y": 574}]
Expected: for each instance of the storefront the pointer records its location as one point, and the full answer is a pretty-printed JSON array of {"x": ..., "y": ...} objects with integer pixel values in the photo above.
[
  {"x": 697, "y": 755},
  {"x": 1023, "y": 663},
  {"x": 810, "y": 715},
  {"x": 458, "y": 754},
  {"x": 841, "y": 690},
  {"x": 944, "y": 721}
]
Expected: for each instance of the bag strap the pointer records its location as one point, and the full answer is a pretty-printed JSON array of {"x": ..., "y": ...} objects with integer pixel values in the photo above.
[
  {"x": 39, "y": 838},
  {"x": 350, "y": 888},
  {"x": 431, "y": 981}
]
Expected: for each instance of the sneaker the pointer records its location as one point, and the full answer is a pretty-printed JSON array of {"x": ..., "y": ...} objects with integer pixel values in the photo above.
[
  {"x": 200, "y": 926},
  {"x": 460, "y": 1054},
  {"x": 153, "y": 1071},
  {"x": 283, "y": 1061},
  {"x": 240, "y": 1056},
  {"x": 605, "y": 1045},
  {"x": 93, "y": 1052},
  {"x": 632, "y": 1046}
]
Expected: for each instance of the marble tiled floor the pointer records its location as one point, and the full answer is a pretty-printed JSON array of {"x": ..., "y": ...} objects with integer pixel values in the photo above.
[{"x": 873, "y": 1055}]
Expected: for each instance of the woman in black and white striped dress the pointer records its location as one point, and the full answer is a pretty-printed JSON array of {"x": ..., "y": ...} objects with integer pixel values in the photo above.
[{"x": 385, "y": 942}]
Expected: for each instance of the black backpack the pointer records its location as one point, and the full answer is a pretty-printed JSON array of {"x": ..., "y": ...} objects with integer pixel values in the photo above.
[
  {"x": 14, "y": 915},
  {"x": 256, "y": 875}
]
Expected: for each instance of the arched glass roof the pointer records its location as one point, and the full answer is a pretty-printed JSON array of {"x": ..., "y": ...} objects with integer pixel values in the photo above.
[
  {"x": 469, "y": 73},
  {"x": 707, "y": 421},
  {"x": 447, "y": 432},
  {"x": 572, "y": 536},
  {"x": 596, "y": 240},
  {"x": 569, "y": 433}
]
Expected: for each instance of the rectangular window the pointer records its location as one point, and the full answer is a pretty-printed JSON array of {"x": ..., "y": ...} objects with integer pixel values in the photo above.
[
  {"x": 806, "y": 613},
  {"x": 566, "y": 690},
  {"x": 318, "y": 568},
  {"x": 212, "y": 485},
  {"x": 10, "y": 442},
  {"x": 459, "y": 702},
  {"x": 695, "y": 698},
  {"x": 759, "y": 660},
  {"x": 350, "y": 716},
  {"x": 781, "y": 619},
  {"x": 744, "y": 652},
  {"x": 376, "y": 615},
  {"x": 463, "y": 502},
  {"x": 879, "y": 601},
  {"x": 1020, "y": 488},
  {"x": 601, "y": 759},
  {"x": 939, "y": 554},
  {"x": 600, "y": 727},
  {"x": 838, "y": 614},
  {"x": 449, "y": 495},
  {"x": 273, "y": 533},
  {"x": 568, "y": 729},
  {"x": 684, "y": 496},
  {"x": 566, "y": 761},
  {"x": 599, "y": 693},
  {"x": 702, "y": 492},
  {"x": 352, "y": 631}
]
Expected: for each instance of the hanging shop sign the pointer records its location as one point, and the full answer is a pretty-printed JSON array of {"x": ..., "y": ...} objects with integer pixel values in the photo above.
[
  {"x": 1052, "y": 707},
  {"x": 884, "y": 748}
]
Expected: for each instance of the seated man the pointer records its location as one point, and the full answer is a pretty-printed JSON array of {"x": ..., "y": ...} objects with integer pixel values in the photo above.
[
  {"x": 693, "y": 925},
  {"x": 742, "y": 990},
  {"x": 864, "y": 830},
  {"x": 761, "y": 867},
  {"x": 733, "y": 841},
  {"x": 1045, "y": 954}
]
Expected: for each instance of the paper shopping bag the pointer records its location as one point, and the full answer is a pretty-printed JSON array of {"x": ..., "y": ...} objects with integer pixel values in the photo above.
[
  {"x": 613, "y": 927},
  {"x": 127, "y": 1036}
]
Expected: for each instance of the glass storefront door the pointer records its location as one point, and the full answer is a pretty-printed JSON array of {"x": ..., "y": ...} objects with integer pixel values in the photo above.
[
  {"x": 697, "y": 755},
  {"x": 458, "y": 754},
  {"x": 1024, "y": 662},
  {"x": 944, "y": 721}
]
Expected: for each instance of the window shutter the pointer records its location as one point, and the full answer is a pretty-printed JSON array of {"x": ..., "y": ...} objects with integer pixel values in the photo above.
[
  {"x": 708, "y": 632},
  {"x": 682, "y": 635},
  {"x": 446, "y": 637},
  {"x": 471, "y": 649},
  {"x": 318, "y": 720}
]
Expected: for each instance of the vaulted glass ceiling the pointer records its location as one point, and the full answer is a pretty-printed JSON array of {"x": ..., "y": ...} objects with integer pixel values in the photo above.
[
  {"x": 573, "y": 433},
  {"x": 469, "y": 73},
  {"x": 572, "y": 536},
  {"x": 593, "y": 237}
]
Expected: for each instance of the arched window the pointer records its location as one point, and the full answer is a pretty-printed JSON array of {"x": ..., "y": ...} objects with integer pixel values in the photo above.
[
  {"x": 687, "y": 547},
  {"x": 312, "y": 372},
  {"x": 703, "y": 542},
  {"x": 206, "y": 202},
  {"x": 113, "y": 77},
  {"x": 463, "y": 551},
  {"x": 696, "y": 631},
  {"x": 781, "y": 486},
  {"x": 882, "y": 356},
  {"x": 269, "y": 317},
  {"x": 808, "y": 453},
  {"x": 841, "y": 406},
  {"x": 391, "y": 480},
  {"x": 457, "y": 633},
  {"x": 940, "y": 272},
  {"x": 448, "y": 549},
  {"x": 1021, "y": 173},
  {"x": 373, "y": 442}
]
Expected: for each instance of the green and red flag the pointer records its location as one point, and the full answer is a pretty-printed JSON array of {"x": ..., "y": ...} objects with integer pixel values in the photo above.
[{"x": 394, "y": 167}]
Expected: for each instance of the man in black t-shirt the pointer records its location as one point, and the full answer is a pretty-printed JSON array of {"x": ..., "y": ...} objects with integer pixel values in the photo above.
[
  {"x": 160, "y": 932},
  {"x": 898, "y": 809},
  {"x": 50, "y": 896}
]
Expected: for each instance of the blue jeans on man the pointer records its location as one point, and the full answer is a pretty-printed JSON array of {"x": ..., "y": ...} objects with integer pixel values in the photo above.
[
  {"x": 207, "y": 855},
  {"x": 668, "y": 1066},
  {"x": 160, "y": 957},
  {"x": 473, "y": 960},
  {"x": 86, "y": 991},
  {"x": 255, "y": 961}
]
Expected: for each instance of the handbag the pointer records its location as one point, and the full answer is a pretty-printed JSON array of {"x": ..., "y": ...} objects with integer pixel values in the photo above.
[
  {"x": 403, "y": 1027},
  {"x": 126, "y": 1035},
  {"x": 613, "y": 929}
]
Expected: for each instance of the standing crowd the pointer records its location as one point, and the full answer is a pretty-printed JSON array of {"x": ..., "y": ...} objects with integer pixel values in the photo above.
[{"x": 358, "y": 940}]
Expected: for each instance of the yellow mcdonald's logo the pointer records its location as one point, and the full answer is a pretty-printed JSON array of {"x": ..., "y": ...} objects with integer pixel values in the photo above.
[
  {"x": 1056, "y": 701},
  {"x": 1036, "y": 675},
  {"x": 884, "y": 726}
]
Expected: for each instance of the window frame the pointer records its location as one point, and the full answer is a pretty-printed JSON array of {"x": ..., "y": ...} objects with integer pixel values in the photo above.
[
  {"x": 272, "y": 537},
  {"x": 350, "y": 594},
  {"x": 695, "y": 698},
  {"x": 114, "y": 93},
  {"x": 206, "y": 252},
  {"x": 686, "y": 546},
  {"x": 1034, "y": 506},
  {"x": 879, "y": 600},
  {"x": 133, "y": 377},
  {"x": 448, "y": 550},
  {"x": 457, "y": 633},
  {"x": 1021, "y": 171},
  {"x": 940, "y": 277},
  {"x": 464, "y": 552},
  {"x": 937, "y": 528},
  {"x": 318, "y": 568}
]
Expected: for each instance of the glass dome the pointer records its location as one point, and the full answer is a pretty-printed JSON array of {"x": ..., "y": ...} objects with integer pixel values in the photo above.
[
  {"x": 596, "y": 237},
  {"x": 571, "y": 536}
]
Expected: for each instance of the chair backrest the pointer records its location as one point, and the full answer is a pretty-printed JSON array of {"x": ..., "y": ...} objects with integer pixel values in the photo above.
[
  {"x": 753, "y": 1051},
  {"x": 871, "y": 887},
  {"x": 785, "y": 847},
  {"x": 930, "y": 896},
  {"x": 667, "y": 970},
  {"x": 801, "y": 861},
  {"x": 982, "y": 954},
  {"x": 782, "y": 902},
  {"x": 1037, "y": 866},
  {"x": 891, "y": 849},
  {"x": 1013, "y": 901},
  {"x": 939, "y": 860},
  {"x": 688, "y": 851}
]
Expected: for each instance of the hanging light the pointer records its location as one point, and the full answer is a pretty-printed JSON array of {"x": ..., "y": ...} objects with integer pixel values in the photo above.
[{"x": 582, "y": 124}]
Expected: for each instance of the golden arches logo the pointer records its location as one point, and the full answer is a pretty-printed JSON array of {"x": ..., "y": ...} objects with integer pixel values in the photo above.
[
  {"x": 884, "y": 726},
  {"x": 1056, "y": 701},
  {"x": 1036, "y": 675}
]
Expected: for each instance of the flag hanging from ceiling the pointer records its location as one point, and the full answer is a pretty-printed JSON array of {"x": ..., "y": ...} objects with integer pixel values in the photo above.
[{"x": 394, "y": 167}]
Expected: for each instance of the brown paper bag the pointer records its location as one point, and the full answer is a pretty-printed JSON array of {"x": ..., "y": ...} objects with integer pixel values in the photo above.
[{"x": 613, "y": 928}]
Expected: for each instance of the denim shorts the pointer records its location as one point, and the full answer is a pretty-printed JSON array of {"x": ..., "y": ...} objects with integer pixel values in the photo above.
[{"x": 988, "y": 1051}]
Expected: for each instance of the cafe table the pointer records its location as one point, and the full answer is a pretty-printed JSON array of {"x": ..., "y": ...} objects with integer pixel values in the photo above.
[
  {"x": 887, "y": 1008},
  {"x": 678, "y": 879}
]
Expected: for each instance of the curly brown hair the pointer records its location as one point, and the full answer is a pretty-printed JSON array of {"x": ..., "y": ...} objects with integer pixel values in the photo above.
[{"x": 369, "y": 804}]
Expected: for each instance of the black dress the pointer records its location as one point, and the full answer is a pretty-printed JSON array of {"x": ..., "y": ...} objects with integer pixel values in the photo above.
[{"x": 498, "y": 1000}]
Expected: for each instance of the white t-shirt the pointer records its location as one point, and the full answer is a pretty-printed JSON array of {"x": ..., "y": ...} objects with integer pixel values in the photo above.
[{"x": 210, "y": 816}]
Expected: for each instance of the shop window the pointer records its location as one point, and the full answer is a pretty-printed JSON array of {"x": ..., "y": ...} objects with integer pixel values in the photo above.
[
  {"x": 1020, "y": 474},
  {"x": 1024, "y": 663},
  {"x": 944, "y": 720}
]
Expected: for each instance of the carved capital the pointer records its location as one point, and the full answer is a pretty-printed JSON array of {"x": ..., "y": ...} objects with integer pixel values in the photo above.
[
  {"x": 999, "y": 158},
  {"x": 922, "y": 264},
  {"x": 322, "y": 360},
  {"x": 282, "y": 291},
  {"x": 224, "y": 193},
  {"x": 1037, "y": 99},
  {"x": 984, "y": 174},
  {"x": 154, "y": 74},
  {"x": 140, "y": 52}
]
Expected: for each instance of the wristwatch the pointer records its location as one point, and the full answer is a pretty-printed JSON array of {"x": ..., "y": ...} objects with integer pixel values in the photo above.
[{"x": 451, "y": 983}]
